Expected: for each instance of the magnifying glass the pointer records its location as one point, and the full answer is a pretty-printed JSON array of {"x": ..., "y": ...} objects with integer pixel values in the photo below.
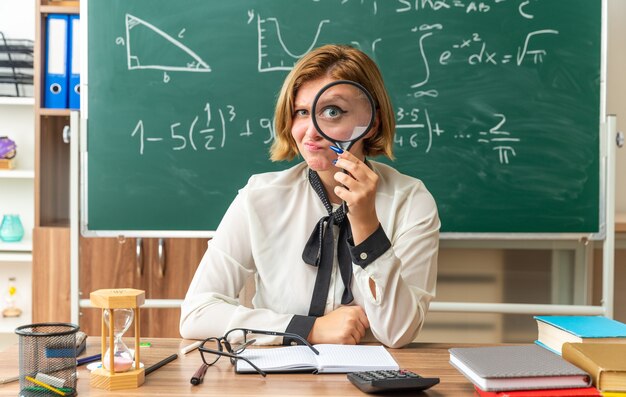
[{"x": 343, "y": 112}]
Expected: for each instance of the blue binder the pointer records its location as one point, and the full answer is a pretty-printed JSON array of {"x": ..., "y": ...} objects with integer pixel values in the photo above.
[
  {"x": 56, "y": 79},
  {"x": 73, "y": 62}
]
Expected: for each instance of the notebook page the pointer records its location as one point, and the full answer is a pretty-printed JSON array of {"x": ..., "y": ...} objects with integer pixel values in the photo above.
[
  {"x": 346, "y": 358},
  {"x": 290, "y": 358}
]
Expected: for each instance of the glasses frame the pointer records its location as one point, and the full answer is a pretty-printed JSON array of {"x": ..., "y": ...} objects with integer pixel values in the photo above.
[{"x": 234, "y": 354}]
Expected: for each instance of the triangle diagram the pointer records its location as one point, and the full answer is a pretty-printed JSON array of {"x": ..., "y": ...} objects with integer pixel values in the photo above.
[{"x": 148, "y": 47}]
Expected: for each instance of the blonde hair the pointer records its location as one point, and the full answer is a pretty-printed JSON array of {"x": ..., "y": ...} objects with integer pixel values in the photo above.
[{"x": 340, "y": 62}]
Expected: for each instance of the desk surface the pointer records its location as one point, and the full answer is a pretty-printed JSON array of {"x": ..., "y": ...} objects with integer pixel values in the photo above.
[{"x": 429, "y": 360}]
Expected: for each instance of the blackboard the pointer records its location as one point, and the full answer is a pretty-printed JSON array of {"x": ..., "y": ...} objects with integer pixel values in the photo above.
[{"x": 498, "y": 105}]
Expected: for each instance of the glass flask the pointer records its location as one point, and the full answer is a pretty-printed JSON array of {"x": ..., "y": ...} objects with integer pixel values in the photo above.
[{"x": 122, "y": 356}]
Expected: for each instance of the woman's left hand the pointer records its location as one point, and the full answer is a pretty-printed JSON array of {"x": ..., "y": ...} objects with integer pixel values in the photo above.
[{"x": 359, "y": 193}]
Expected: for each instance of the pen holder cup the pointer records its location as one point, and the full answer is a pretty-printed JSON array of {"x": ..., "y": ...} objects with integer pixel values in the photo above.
[{"x": 47, "y": 359}]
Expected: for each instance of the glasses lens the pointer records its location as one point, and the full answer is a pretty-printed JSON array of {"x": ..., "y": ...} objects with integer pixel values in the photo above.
[
  {"x": 343, "y": 112},
  {"x": 237, "y": 341},
  {"x": 211, "y": 344}
]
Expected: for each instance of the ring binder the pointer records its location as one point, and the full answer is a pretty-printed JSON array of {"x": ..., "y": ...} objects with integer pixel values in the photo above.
[
  {"x": 56, "y": 79},
  {"x": 73, "y": 63}
]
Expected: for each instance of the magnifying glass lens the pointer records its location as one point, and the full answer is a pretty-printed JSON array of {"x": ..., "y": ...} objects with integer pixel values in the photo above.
[{"x": 343, "y": 112}]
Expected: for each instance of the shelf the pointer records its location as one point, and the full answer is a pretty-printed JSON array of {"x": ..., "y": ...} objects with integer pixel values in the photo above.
[
  {"x": 21, "y": 246},
  {"x": 19, "y": 101},
  {"x": 54, "y": 112},
  {"x": 60, "y": 9},
  {"x": 16, "y": 257},
  {"x": 56, "y": 224},
  {"x": 17, "y": 174}
]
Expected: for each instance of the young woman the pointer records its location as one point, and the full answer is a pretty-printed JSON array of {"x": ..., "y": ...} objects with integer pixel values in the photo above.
[{"x": 320, "y": 273}]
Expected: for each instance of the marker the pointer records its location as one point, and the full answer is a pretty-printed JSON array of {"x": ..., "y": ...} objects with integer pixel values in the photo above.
[
  {"x": 88, "y": 359},
  {"x": 190, "y": 348},
  {"x": 198, "y": 376},
  {"x": 161, "y": 363},
  {"x": 51, "y": 380}
]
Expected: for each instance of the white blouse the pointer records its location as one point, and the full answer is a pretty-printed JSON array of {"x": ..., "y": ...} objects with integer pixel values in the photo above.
[{"x": 264, "y": 232}]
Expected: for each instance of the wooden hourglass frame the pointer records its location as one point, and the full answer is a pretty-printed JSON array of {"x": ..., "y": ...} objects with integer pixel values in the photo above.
[{"x": 112, "y": 299}]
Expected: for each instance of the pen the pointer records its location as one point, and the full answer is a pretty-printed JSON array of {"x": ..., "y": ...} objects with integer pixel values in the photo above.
[
  {"x": 88, "y": 359},
  {"x": 45, "y": 385},
  {"x": 160, "y": 364},
  {"x": 198, "y": 376},
  {"x": 190, "y": 347}
]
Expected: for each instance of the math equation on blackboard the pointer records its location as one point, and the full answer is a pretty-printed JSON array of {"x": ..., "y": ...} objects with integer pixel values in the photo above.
[{"x": 433, "y": 53}]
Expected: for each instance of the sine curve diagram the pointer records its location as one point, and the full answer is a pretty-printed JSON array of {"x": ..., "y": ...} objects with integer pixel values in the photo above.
[{"x": 171, "y": 55}]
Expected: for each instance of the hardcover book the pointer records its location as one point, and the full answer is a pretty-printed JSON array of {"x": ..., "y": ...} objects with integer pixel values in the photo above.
[
  {"x": 520, "y": 367},
  {"x": 553, "y": 331},
  {"x": 606, "y": 362}
]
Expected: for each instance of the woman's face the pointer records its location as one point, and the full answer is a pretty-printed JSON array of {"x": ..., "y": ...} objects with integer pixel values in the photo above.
[{"x": 313, "y": 147}]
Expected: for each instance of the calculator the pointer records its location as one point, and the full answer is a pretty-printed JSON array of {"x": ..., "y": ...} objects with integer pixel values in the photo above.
[{"x": 389, "y": 380}]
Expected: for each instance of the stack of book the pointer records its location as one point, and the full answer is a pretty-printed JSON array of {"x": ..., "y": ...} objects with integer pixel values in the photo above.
[
  {"x": 570, "y": 354},
  {"x": 520, "y": 371},
  {"x": 595, "y": 344}
]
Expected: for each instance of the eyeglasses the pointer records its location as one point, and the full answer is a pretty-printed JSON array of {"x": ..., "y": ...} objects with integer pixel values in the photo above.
[{"x": 225, "y": 345}]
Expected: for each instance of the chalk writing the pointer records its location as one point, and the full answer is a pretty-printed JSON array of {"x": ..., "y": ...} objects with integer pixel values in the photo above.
[
  {"x": 189, "y": 62},
  {"x": 501, "y": 139},
  {"x": 415, "y": 126},
  {"x": 409, "y": 123},
  {"x": 466, "y": 6},
  {"x": 269, "y": 29},
  {"x": 188, "y": 140},
  {"x": 210, "y": 136}
]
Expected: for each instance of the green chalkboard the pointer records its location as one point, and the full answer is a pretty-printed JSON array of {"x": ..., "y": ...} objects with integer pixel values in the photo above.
[{"x": 498, "y": 104}]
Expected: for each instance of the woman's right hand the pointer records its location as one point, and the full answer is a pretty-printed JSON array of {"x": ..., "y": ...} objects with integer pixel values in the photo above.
[{"x": 345, "y": 325}]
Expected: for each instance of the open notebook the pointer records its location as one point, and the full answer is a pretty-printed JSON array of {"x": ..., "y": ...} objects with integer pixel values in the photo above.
[{"x": 332, "y": 359}]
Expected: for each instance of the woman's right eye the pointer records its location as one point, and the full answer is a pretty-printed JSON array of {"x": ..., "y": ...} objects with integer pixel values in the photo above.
[{"x": 301, "y": 113}]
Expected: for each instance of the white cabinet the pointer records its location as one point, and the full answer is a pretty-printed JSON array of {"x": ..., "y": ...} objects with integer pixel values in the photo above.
[{"x": 17, "y": 197}]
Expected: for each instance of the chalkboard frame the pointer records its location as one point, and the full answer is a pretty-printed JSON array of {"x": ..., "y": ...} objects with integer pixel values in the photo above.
[{"x": 84, "y": 161}]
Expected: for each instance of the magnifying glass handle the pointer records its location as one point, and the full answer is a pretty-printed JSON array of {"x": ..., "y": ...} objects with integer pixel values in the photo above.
[
  {"x": 345, "y": 146},
  {"x": 343, "y": 202}
]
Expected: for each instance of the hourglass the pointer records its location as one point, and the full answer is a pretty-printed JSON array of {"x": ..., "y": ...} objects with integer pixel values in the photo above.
[
  {"x": 119, "y": 309},
  {"x": 122, "y": 357}
]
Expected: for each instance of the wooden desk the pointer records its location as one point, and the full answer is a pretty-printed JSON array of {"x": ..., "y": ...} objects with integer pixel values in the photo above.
[{"x": 429, "y": 360}]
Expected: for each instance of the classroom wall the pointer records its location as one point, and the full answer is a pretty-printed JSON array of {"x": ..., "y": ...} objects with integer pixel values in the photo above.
[
  {"x": 498, "y": 262},
  {"x": 616, "y": 88},
  {"x": 17, "y": 28}
]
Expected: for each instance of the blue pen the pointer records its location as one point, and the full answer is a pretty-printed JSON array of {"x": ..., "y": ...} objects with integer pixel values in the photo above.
[{"x": 88, "y": 359}]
